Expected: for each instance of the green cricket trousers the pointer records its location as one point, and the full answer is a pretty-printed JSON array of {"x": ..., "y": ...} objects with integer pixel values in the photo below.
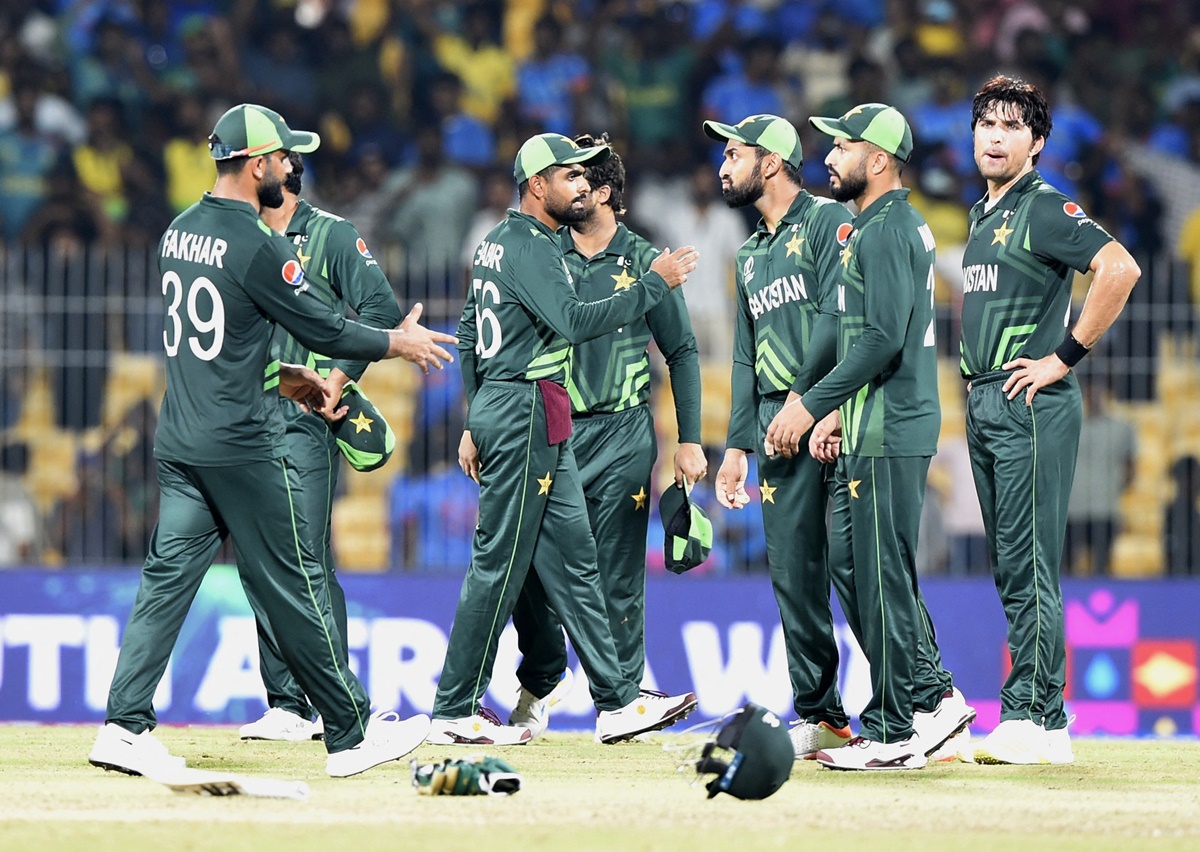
[
  {"x": 313, "y": 451},
  {"x": 794, "y": 499},
  {"x": 1023, "y": 459},
  {"x": 260, "y": 506},
  {"x": 872, "y": 560},
  {"x": 531, "y": 513},
  {"x": 615, "y": 453}
]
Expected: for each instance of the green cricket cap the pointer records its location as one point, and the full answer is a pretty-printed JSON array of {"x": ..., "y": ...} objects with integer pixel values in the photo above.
[
  {"x": 250, "y": 130},
  {"x": 771, "y": 132},
  {"x": 689, "y": 532},
  {"x": 878, "y": 124},
  {"x": 363, "y": 436},
  {"x": 554, "y": 149}
]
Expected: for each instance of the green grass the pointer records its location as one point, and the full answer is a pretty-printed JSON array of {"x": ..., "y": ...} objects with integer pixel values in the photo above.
[{"x": 580, "y": 796}]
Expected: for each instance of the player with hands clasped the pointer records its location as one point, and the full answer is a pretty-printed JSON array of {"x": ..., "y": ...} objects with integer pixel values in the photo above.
[
  {"x": 885, "y": 383},
  {"x": 1024, "y": 408},
  {"x": 223, "y": 468},
  {"x": 520, "y": 321},
  {"x": 785, "y": 339}
]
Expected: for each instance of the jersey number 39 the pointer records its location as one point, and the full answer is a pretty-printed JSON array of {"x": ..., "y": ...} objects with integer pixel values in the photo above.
[{"x": 211, "y": 322}]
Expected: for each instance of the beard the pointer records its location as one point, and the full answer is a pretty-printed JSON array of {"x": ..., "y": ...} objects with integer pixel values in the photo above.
[
  {"x": 567, "y": 213},
  {"x": 852, "y": 185},
  {"x": 745, "y": 194},
  {"x": 292, "y": 183},
  {"x": 270, "y": 193}
]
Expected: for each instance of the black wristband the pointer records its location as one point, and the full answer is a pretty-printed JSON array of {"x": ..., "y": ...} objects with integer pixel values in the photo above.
[{"x": 1071, "y": 351}]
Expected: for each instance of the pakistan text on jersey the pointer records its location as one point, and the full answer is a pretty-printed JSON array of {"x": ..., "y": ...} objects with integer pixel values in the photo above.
[
  {"x": 789, "y": 288},
  {"x": 980, "y": 277},
  {"x": 197, "y": 248}
]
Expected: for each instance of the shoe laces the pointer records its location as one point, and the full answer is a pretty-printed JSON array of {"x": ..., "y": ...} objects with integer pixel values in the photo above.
[
  {"x": 652, "y": 693},
  {"x": 490, "y": 715}
]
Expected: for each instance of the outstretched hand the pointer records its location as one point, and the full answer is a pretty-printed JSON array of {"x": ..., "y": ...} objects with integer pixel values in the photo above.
[
  {"x": 418, "y": 344},
  {"x": 674, "y": 266}
]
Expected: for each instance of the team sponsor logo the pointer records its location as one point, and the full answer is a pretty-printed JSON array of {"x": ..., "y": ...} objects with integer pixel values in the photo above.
[
  {"x": 843, "y": 233},
  {"x": 1073, "y": 210},
  {"x": 293, "y": 273},
  {"x": 361, "y": 245}
]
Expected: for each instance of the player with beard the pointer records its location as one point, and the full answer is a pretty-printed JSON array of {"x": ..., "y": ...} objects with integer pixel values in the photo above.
[
  {"x": 521, "y": 318},
  {"x": 338, "y": 268},
  {"x": 223, "y": 468},
  {"x": 784, "y": 341},
  {"x": 613, "y": 439},
  {"x": 887, "y": 430}
]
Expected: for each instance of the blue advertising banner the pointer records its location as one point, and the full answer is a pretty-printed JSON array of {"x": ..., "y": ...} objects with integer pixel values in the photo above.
[{"x": 1132, "y": 649}]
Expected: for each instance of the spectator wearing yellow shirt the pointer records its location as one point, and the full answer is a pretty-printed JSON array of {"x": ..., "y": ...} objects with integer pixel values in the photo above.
[
  {"x": 1187, "y": 249},
  {"x": 107, "y": 168},
  {"x": 188, "y": 166},
  {"x": 487, "y": 70}
]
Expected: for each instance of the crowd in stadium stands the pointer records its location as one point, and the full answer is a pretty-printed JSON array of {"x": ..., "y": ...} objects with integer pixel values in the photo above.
[{"x": 105, "y": 106}]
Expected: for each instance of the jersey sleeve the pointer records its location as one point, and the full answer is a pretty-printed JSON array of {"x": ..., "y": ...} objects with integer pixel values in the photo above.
[
  {"x": 468, "y": 363},
  {"x": 539, "y": 280},
  {"x": 672, "y": 329},
  {"x": 742, "y": 419},
  {"x": 302, "y": 313},
  {"x": 821, "y": 355},
  {"x": 889, "y": 296},
  {"x": 1059, "y": 232},
  {"x": 363, "y": 285}
]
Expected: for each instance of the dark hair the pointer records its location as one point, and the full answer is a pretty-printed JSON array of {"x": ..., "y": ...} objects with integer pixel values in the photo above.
[
  {"x": 789, "y": 171},
  {"x": 1025, "y": 97},
  {"x": 231, "y": 166},
  {"x": 610, "y": 172},
  {"x": 523, "y": 187},
  {"x": 292, "y": 182}
]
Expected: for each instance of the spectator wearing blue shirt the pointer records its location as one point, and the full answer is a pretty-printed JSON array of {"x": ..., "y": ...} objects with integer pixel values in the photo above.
[
  {"x": 27, "y": 156},
  {"x": 466, "y": 139},
  {"x": 551, "y": 81}
]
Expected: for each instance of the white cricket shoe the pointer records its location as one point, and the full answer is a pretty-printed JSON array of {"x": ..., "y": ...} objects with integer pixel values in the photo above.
[
  {"x": 134, "y": 754},
  {"x": 864, "y": 754},
  {"x": 1016, "y": 741},
  {"x": 388, "y": 738},
  {"x": 1058, "y": 747},
  {"x": 534, "y": 713},
  {"x": 808, "y": 738},
  {"x": 952, "y": 748},
  {"x": 484, "y": 728},
  {"x": 650, "y": 711},
  {"x": 281, "y": 725},
  {"x": 951, "y": 715}
]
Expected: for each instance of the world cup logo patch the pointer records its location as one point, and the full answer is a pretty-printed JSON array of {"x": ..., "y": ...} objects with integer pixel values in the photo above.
[
  {"x": 361, "y": 245},
  {"x": 293, "y": 274},
  {"x": 843, "y": 233}
]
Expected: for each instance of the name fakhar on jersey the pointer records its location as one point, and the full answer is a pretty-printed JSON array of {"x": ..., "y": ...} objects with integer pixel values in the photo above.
[
  {"x": 981, "y": 278},
  {"x": 197, "y": 248},
  {"x": 788, "y": 288}
]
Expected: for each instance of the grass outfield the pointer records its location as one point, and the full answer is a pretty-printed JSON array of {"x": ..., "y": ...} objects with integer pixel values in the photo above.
[{"x": 1120, "y": 794}]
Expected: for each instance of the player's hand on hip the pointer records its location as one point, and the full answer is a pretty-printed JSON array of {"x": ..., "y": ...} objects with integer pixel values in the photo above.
[
  {"x": 788, "y": 427},
  {"x": 418, "y": 344},
  {"x": 468, "y": 455},
  {"x": 305, "y": 386},
  {"x": 1031, "y": 376},
  {"x": 825, "y": 442},
  {"x": 674, "y": 266},
  {"x": 731, "y": 480},
  {"x": 691, "y": 462}
]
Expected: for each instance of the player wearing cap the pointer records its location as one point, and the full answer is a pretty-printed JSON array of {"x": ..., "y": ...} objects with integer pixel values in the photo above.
[
  {"x": 223, "y": 469},
  {"x": 1023, "y": 402},
  {"x": 784, "y": 340},
  {"x": 613, "y": 438},
  {"x": 338, "y": 268},
  {"x": 883, "y": 438},
  {"x": 521, "y": 318}
]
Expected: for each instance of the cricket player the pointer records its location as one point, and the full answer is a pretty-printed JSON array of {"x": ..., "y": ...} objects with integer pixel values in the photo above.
[
  {"x": 1024, "y": 409},
  {"x": 340, "y": 269},
  {"x": 521, "y": 318},
  {"x": 785, "y": 338},
  {"x": 613, "y": 438},
  {"x": 223, "y": 469},
  {"x": 882, "y": 439}
]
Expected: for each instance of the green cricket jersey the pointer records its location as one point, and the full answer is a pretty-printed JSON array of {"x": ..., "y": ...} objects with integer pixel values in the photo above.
[
  {"x": 522, "y": 313},
  {"x": 612, "y": 372},
  {"x": 1017, "y": 269},
  {"x": 226, "y": 279},
  {"x": 786, "y": 298},
  {"x": 340, "y": 270},
  {"x": 886, "y": 378}
]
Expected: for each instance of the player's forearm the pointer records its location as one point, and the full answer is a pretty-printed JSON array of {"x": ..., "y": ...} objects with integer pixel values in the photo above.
[
  {"x": 580, "y": 321},
  {"x": 379, "y": 311},
  {"x": 865, "y": 360},
  {"x": 1111, "y": 286},
  {"x": 686, "y": 389},
  {"x": 467, "y": 364},
  {"x": 821, "y": 355},
  {"x": 743, "y": 418}
]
